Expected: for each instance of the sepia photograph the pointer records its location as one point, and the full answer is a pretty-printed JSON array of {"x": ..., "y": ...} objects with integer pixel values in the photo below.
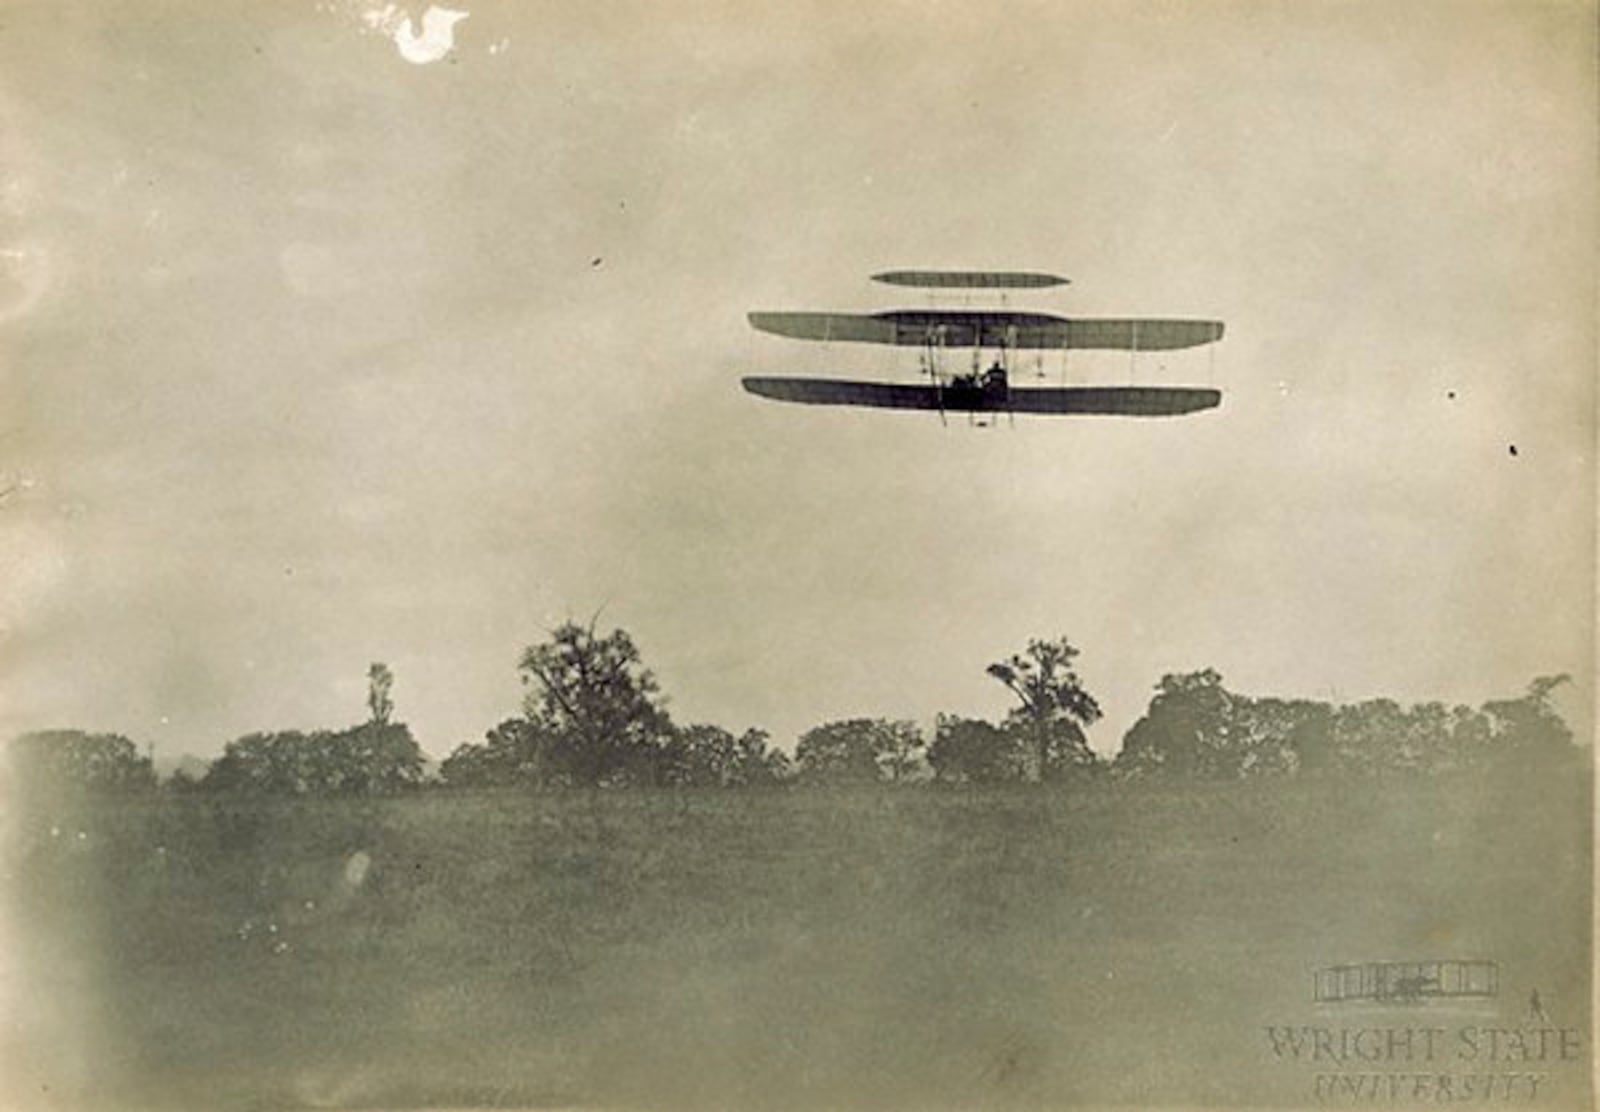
[{"x": 716, "y": 556}]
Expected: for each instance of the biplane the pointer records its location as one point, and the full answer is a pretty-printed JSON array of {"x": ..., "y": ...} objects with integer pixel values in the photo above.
[
  {"x": 1002, "y": 331},
  {"x": 1406, "y": 982}
]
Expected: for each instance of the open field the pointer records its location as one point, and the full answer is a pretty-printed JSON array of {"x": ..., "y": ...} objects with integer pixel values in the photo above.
[{"x": 912, "y": 948}]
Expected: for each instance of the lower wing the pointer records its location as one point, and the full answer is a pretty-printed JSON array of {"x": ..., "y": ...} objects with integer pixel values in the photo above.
[
  {"x": 960, "y": 328},
  {"x": 1113, "y": 401}
]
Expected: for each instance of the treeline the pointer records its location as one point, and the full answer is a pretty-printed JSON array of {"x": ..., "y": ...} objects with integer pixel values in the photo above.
[
  {"x": 371, "y": 759},
  {"x": 1195, "y": 727},
  {"x": 593, "y": 717}
]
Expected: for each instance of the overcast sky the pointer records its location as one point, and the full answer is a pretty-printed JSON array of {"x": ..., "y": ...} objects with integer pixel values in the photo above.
[{"x": 314, "y": 355}]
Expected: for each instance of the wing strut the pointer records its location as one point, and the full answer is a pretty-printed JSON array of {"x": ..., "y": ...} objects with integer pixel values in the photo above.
[
  {"x": 1007, "y": 362},
  {"x": 932, "y": 341}
]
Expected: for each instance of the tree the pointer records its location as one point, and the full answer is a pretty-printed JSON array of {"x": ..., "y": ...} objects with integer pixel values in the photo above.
[
  {"x": 705, "y": 756},
  {"x": 1273, "y": 737},
  {"x": 972, "y": 751},
  {"x": 281, "y": 763},
  {"x": 515, "y": 752},
  {"x": 471, "y": 765},
  {"x": 183, "y": 781},
  {"x": 1471, "y": 736},
  {"x": 698, "y": 756},
  {"x": 1310, "y": 737},
  {"x": 1188, "y": 730},
  {"x": 1368, "y": 736},
  {"x": 365, "y": 760},
  {"x": 599, "y": 706},
  {"x": 1426, "y": 745},
  {"x": 756, "y": 764},
  {"x": 858, "y": 750},
  {"x": 1530, "y": 726},
  {"x": 76, "y": 760},
  {"x": 380, "y": 681},
  {"x": 900, "y": 750},
  {"x": 376, "y": 759},
  {"x": 1054, "y": 709}
]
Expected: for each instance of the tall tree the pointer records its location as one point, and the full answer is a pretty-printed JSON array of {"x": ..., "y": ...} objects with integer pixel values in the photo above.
[
  {"x": 1054, "y": 707},
  {"x": 380, "y": 682},
  {"x": 599, "y": 705}
]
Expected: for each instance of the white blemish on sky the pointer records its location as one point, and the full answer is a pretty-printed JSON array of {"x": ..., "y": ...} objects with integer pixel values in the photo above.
[
  {"x": 312, "y": 270},
  {"x": 432, "y": 41},
  {"x": 24, "y": 278}
]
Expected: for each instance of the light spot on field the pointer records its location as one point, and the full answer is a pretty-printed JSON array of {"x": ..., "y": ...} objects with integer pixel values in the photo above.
[
  {"x": 335, "y": 1087},
  {"x": 356, "y": 867}
]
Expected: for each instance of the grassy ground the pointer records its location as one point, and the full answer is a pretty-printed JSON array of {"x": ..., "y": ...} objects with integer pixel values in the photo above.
[{"x": 914, "y": 948}]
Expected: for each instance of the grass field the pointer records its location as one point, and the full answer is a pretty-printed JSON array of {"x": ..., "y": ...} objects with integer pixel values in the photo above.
[{"x": 913, "y": 948}]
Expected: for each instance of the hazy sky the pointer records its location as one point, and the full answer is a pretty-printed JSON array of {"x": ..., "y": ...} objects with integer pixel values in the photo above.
[{"x": 312, "y": 355}]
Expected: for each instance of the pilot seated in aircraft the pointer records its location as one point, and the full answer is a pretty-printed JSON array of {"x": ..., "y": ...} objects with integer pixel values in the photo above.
[{"x": 991, "y": 382}]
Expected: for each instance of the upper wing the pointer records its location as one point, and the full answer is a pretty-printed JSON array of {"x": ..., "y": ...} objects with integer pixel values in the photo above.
[
  {"x": 1003, "y": 328},
  {"x": 1113, "y": 401},
  {"x": 845, "y": 327},
  {"x": 962, "y": 328},
  {"x": 1131, "y": 335}
]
